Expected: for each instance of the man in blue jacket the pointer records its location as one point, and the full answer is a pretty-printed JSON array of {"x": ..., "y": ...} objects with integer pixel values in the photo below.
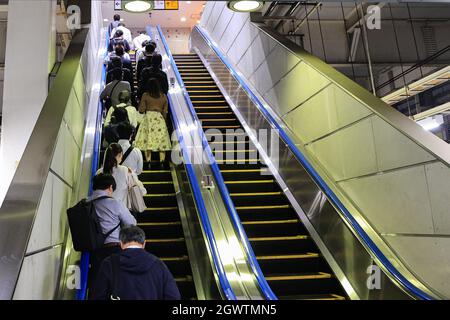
[{"x": 137, "y": 275}]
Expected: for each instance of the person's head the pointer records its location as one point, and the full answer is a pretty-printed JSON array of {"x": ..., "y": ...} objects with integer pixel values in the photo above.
[
  {"x": 153, "y": 43},
  {"x": 117, "y": 74},
  {"x": 132, "y": 236},
  {"x": 125, "y": 131},
  {"x": 144, "y": 43},
  {"x": 122, "y": 24},
  {"x": 119, "y": 50},
  {"x": 124, "y": 97},
  {"x": 104, "y": 182},
  {"x": 116, "y": 62},
  {"x": 149, "y": 49},
  {"x": 153, "y": 88},
  {"x": 157, "y": 61},
  {"x": 118, "y": 34},
  {"x": 119, "y": 115},
  {"x": 113, "y": 157},
  {"x": 116, "y": 17}
]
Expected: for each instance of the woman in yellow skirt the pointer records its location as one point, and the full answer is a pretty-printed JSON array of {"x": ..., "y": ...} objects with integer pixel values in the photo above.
[{"x": 153, "y": 135}]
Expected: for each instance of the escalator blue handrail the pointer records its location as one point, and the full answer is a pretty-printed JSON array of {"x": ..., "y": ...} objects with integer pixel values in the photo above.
[
  {"x": 318, "y": 179},
  {"x": 265, "y": 288},
  {"x": 85, "y": 256},
  {"x": 225, "y": 284}
]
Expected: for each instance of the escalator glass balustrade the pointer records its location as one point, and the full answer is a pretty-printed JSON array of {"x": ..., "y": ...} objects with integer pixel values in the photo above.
[{"x": 288, "y": 257}]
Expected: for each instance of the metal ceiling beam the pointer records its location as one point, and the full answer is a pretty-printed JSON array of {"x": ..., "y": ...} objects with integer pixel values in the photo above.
[
  {"x": 317, "y": 5},
  {"x": 290, "y": 12}
]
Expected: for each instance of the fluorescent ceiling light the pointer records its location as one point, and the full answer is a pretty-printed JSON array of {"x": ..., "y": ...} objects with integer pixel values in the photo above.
[
  {"x": 138, "y": 6},
  {"x": 245, "y": 6},
  {"x": 431, "y": 122},
  {"x": 183, "y": 19}
]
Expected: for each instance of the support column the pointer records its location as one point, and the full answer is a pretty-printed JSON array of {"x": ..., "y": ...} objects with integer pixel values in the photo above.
[{"x": 30, "y": 56}]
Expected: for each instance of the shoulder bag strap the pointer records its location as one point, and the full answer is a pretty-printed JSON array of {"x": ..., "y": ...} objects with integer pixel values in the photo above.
[
  {"x": 115, "y": 264},
  {"x": 125, "y": 156}
]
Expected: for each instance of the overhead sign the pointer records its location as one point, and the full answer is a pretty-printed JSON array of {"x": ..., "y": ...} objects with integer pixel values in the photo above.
[
  {"x": 166, "y": 5},
  {"x": 117, "y": 4}
]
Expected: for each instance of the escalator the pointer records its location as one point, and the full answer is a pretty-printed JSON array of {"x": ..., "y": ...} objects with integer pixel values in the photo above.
[
  {"x": 164, "y": 233},
  {"x": 289, "y": 258}
]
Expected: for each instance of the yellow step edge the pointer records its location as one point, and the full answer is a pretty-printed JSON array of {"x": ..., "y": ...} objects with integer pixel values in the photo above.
[
  {"x": 256, "y": 194},
  {"x": 197, "y": 87},
  {"x": 162, "y": 209},
  {"x": 213, "y": 114},
  {"x": 154, "y": 224},
  {"x": 269, "y": 222},
  {"x": 217, "y": 120},
  {"x": 239, "y": 161},
  {"x": 289, "y": 238},
  {"x": 212, "y": 107},
  {"x": 320, "y": 275},
  {"x": 221, "y": 127},
  {"x": 208, "y": 96},
  {"x": 159, "y": 195},
  {"x": 288, "y": 257},
  {"x": 243, "y": 170},
  {"x": 284, "y": 206},
  {"x": 165, "y": 240},
  {"x": 184, "y": 279},
  {"x": 198, "y": 101},
  {"x": 157, "y": 182},
  {"x": 249, "y": 181},
  {"x": 156, "y": 171},
  {"x": 232, "y": 151},
  {"x": 331, "y": 298},
  {"x": 183, "y": 258}
]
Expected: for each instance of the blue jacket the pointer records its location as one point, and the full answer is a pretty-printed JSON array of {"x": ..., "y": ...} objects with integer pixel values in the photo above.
[{"x": 142, "y": 276}]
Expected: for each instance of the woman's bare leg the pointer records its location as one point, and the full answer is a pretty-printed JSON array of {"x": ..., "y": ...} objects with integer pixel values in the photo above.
[{"x": 162, "y": 157}]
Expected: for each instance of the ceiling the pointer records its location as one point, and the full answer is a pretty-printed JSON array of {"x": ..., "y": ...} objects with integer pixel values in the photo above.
[{"x": 166, "y": 18}]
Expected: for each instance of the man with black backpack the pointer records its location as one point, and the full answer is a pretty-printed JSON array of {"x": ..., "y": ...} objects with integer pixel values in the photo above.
[{"x": 111, "y": 215}]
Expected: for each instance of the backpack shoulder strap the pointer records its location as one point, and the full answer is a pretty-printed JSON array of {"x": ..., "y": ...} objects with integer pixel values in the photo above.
[{"x": 125, "y": 156}]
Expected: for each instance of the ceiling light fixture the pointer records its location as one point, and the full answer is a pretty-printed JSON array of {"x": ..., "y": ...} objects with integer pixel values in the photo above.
[
  {"x": 138, "y": 6},
  {"x": 245, "y": 6},
  {"x": 183, "y": 19}
]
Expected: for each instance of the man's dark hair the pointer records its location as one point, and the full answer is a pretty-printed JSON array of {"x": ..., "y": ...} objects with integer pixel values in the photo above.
[
  {"x": 145, "y": 43},
  {"x": 157, "y": 61},
  {"x": 119, "y": 50},
  {"x": 118, "y": 34},
  {"x": 153, "y": 43},
  {"x": 121, "y": 24},
  {"x": 117, "y": 17},
  {"x": 117, "y": 74},
  {"x": 103, "y": 181},
  {"x": 125, "y": 131},
  {"x": 116, "y": 62},
  {"x": 124, "y": 96},
  {"x": 150, "y": 48},
  {"x": 119, "y": 115},
  {"x": 132, "y": 234}
]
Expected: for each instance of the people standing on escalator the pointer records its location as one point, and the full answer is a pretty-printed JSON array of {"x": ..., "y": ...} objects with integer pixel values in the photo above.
[
  {"x": 123, "y": 175},
  {"x": 134, "y": 117},
  {"x": 120, "y": 53},
  {"x": 116, "y": 63},
  {"x": 112, "y": 215},
  {"x": 110, "y": 93},
  {"x": 126, "y": 33},
  {"x": 114, "y": 24},
  {"x": 154, "y": 71},
  {"x": 110, "y": 134},
  {"x": 134, "y": 274},
  {"x": 146, "y": 60},
  {"x": 118, "y": 40},
  {"x": 132, "y": 157},
  {"x": 140, "y": 39},
  {"x": 153, "y": 135}
]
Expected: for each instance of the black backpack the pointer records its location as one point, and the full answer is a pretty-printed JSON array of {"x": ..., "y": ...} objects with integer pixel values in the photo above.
[{"x": 85, "y": 227}]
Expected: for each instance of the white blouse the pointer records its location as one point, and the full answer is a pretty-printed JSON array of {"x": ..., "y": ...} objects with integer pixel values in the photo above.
[{"x": 120, "y": 174}]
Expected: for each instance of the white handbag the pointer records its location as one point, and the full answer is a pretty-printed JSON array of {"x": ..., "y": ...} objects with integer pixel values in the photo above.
[{"x": 135, "y": 197}]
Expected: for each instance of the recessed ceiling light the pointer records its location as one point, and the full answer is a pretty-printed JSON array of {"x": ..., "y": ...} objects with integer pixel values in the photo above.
[
  {"x": 137, "y": 5},
  {"x": 105, "y": 20},
  {"x": 188, "y": 2},
  {"x": 245, "y": 6},
  {"x": 183, "y": 19}
]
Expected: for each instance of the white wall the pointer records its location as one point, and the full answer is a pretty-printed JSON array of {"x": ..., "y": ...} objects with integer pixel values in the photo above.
[{"x": 26, "y": 84}]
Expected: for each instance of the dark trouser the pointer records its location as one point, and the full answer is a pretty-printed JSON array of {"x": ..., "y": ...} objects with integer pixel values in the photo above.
[{"x": 96, "y": 259}]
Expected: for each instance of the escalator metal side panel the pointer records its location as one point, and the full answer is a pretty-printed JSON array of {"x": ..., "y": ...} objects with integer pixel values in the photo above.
[
  {"x": 346, "y": 255},
  {"x": 21, "y": 203},
  {"x": 202, "y": 271}
]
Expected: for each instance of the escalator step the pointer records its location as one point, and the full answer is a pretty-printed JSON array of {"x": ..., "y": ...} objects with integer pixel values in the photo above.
[
  {"x": 283, "y": 245},
  {"x": 166, "y": 247},
  {"x": 292, "y": 263},
  {"x": 273, "y": 228},
  {"x": 159, "y": 216},
  {"x": 160, "y": 200},
  {"x": 162, "y": 230},
  {"x": 313, "y": 297},
  {"x": 156, "y": 175}
]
